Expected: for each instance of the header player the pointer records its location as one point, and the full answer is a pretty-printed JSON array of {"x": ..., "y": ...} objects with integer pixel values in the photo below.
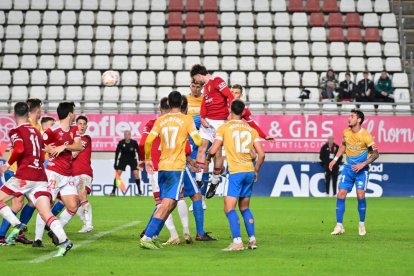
[
  {"x": 360, "y": 150},
  {"x": 239, "y": 141},
  {"x": 30, "y": 179},
  {"x": 173, "y": 129},
  {"x": 214, "y": 111}
]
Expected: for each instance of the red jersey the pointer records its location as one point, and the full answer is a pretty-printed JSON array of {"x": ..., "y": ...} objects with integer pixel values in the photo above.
[
  {"x": 217, "y": 98},
  {"x": 63, "y": 163},
  {"x": 155, "y": 149},
  {"x": 82, "y": 163},
  {"x": 27, "y": 146},
  {"x": 247, "y": 116}
]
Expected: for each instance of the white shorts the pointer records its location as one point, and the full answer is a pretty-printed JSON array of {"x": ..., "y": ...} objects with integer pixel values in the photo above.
[
  {"x": 60, "y": 184},
  {"x": 210, "y": 132},
  {"x": 31, "y": 189},
  {"x": 153, "y": 178},
  {"x": 82, "y": 182}
]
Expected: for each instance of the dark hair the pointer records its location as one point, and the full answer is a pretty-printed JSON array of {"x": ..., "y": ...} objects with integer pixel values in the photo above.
[
  {"x": 46, "y": 119},
  {"x": 184, "y": 104},
  {"x": 174, "y": 99},
  {"x": 347, "y": 74},
  {"x": 33, "y": 104},
  {"x": 82, "y": 117},
  {"x": 359, "y": 114},
  {"x": 198, "y": 69},
  {"x": 164, "y": 104},
  {"x": 237, "y": 86},
  {"x": 237, "y": 107},
  {"x": 64, "y": 108},
  {"x": 21, "y": 109}
]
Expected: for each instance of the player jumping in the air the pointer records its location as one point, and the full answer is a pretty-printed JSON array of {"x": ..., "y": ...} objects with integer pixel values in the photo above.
[
  {"x": 239, "y": 140},
  {"x": 62, "y": 138},
  {"x": 360, "y": 150},
  {"x": 173, "y": 129},
  {"x": 30, "y": 179},
  {"x": 82, "y": 174},
  {"x": 217, "y": 98}
]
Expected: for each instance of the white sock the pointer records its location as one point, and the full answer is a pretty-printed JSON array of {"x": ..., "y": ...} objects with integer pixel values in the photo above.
[
  {"x": 65, "y": 217},
  {"x": 169, "y": 223},
  {"x": 339, "y": 224},
  {"x": 81, "y": 214},
  {"x": 183, "y": 212},
  {"x": 237, "y": 240},
  {"x": 40, "y": 228},
  {"x": 8, "y": 215},
  {"x": 215, "y": 178},
  {"x": 57, "y": 229},
  {"x": 88, "y": 214},
  {"x": 199, "y": 176},
  {"x": 361, "y": 223},
  {"x": 252, "y": 238}
]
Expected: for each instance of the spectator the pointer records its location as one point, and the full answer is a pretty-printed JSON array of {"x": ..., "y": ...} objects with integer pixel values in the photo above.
[
  {"x": 383, "y": 88},
  {"x": 326, "y": 155},
  {"x": 328, "y": 86},
  {"x": 365, "y": 91},
  {"x": 346, "y": 89}
]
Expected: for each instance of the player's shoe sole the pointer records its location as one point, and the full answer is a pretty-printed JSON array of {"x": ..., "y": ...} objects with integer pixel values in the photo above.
[
  {"x": 338, "y": 230},
  {"x": 23, "y": 239},
  {"x": 63, "y": 248},
  {"x": 234, "y": 247},
  {"x": 170, "y": 241},
  {"x": 361, "y": 230},
  {"x": 148, "y": 244},
  {"x": 188, "y": 239},
  {"x": 11, "y": 238},
  {"x": 86, "y": 229},
  {"x": 211, "y": 190}
]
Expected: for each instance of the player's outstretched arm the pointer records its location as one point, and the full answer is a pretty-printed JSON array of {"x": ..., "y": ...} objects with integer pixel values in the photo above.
[
  {"x": 260, "y": 158},
  {"x": 214, "y": 148},
  {"x": 339, "y": 154}
]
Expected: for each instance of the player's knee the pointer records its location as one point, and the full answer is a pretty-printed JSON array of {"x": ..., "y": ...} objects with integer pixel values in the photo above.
[
  {"x": 196, "y": 197},
  {"x": 360, "y": 194}
]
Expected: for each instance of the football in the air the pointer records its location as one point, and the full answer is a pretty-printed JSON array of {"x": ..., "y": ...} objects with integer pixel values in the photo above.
[{"x": 110, "y": 78}]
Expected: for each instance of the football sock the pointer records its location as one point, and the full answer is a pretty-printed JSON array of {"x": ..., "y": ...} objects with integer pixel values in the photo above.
[
  {"x": 55, "y": 225},
  {"x": 81, "y": 214},
  {"x": 26, "y": 213},
  {"x": 154, "y": 227},
  {"x": 205, "y": 179},
  {"x": 8, "y": 214},
  {"x": 248, "y": 222},
  {"x": 199, "y": 216},
  {"x": 138, "y": 182},
  {"x": 57, "y": 208},
  {"x": 362, "y": 208},
  {"x": 40, "y": 228},
  {"x": 215, "y": 178},
  {"x": 87, "y": 209},
  {"x": 66, "y": 216},
  {"x": 5, "y": 225},
  {"x": 340, "y": 209},
  {"x": 199, "y": 175},
  {"x": 234, "y": 223},
  {"x": 183, "y": 212},
  {"x": 169, "y": 223}
]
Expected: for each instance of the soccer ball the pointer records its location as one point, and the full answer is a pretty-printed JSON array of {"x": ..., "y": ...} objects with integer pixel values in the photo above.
[{"x": 110, "y": 78}]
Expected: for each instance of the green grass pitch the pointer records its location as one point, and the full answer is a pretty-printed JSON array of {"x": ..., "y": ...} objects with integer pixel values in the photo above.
[{"x": 293, "y": 238}]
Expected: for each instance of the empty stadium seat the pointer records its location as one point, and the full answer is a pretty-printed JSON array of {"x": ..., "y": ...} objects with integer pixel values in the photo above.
[
  {"x": 295, "y": 6},
  {"x": 320, "y": 64},
  {"x": 128, "y": 98},
  {"x": 352, "y": 20},
  {"x": 147, "y": 78},
  {"x": 393, "y": 64},
  {"x": 265, "y": 48},
  {"x": 364, "y": 6},
  {"x": 310, "y": 79},
  {"x": 139, "y": 19},
  {"x": 48, "y": 62},
  {"x": 157, "y": 33},
  {"x": 93, "y": 78},
  {"x": 291, "y": 79},
  {"x": 300, "y": 49},
  {"x": 319, "y": 49},
  {"x": 282, "y": 19},
  {"x": 373, "y": 49},
  {"x": 338, "y": 63},
  {"x": 347, "y": 6},
  {"x": 265, "y": 64},
  {"x": 29, "y": 47},
  {"x": 12, "y": 47},
  {"x": 75, "y": 77},
  {"x": 356, "y": 64},
  {"x": 317, "y": 20},
  {"x": 389, "y": 35},
  {"x": 381, "y": 6},
  {"x": 163, "y": 92},
  {"x": 182, "y": 78},
  {"x": 209, "y": 5},
  {"x": 265, "y": 33},
  {"x": 103, "y": 47},
  {"x": 246, "y": 33},
  {"x": 83, "y": 62},
  {"x": 261, "y": 5},
  {"x": 312, "y": 6},
  {"x": 318, "y": 34},
  {"x": 336, "y": 34},
  {"x": 27, "y": 62},
  {"x": 400, "y": 80},
  {"x": 355, "y": 49},
  {"x": 375, "y": 64},
  {"x": 238, "y": 77},
  {"x": 212, "y": 62},
  {"x": 264, "y": 19},
  {"x": 229, "y": 63},
  {"x": 158, "y": 5},
  {"x": 335, "y": 20},
  {"x": 121, "y": 63},
  {"x": 247, "y": 63},
  {"x": 281, "y": 34},
  {"x": 402, "y": 96},
  {"x": 165, "y": 78},
  {"x": 55, "y": 94},
  {"x": 391, "y": 49},
  {"x": 274, "y": 79},
  {"x": 388, "y": 20},
  {"x": 255, "y": 79},
  {"x": 30, "y": 32},
  {"x": 283, "y": 64},
  {"x": 14, "y": 17},
  {"x": 330, "y": 6},
  {"x": 300, "y": 34},
  {"x": 370, "y": 20},
  {"x": 58, "y": 77},
  {"x": 354, "y": 35},
  {"x": 20, "y": 77},
  {"x": 19, "y": 93},
  {"x": 228, "y": 48},
  {"x": 174, "y": 33},
  {"x": 228, "y": 33},
  {"x": 129, "y": 78},
  {"x": 101, "y": 62},
  {"x": 337, "y": 49},
  {"x": 193, "y": 19},
  {"x": 211, "y": 33},
  {"x": 372, "y": 35}
]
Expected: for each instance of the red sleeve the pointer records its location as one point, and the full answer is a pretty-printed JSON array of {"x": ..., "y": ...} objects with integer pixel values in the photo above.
[
  {"x": 18, "y": 149},
  {"x": 141, "y": 146},
  {"x": 187, "y": 148},
  {"x": 47, "y": 137},
  {"x": 221, "y": 85},
  {"x": 203, "y": 111},
  {"x": 247, "y": 116},
  {"x": 75, "y": 131}
]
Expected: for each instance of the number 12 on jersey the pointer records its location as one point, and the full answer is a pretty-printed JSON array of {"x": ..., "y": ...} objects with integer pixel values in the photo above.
[{"x": 242, "y": 140}]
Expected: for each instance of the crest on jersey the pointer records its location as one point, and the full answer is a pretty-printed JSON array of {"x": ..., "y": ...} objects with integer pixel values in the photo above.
[{"x": 222, "y": 85}]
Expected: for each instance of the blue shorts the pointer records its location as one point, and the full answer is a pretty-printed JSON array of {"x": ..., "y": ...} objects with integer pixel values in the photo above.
[
  {"x": 170, "y": 183},
  {"x": 240, "y": 184},
  {"x": 348, "y": 178},
  {"x": 190, "y": 184}
]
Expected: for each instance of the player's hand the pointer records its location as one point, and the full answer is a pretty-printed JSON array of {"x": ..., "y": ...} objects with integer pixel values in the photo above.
[
  {"x": 3, "y": 168},
  {"x": 141, "y": 166},
  {"x": 204, "y": 123},
  {"x": 256, "y": 176},
  {"x": 332, "y": 164},
  {"x": 270, "y": 138},
  {"x": 57, "y": 150},
  {"x": 149, "y": 167},
  {"x": 49, "y": 148},
  {"x": 358, "y": 167}
]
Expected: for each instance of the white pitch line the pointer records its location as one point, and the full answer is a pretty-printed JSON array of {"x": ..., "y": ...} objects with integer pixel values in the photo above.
[{"x": 85, "y": 242}]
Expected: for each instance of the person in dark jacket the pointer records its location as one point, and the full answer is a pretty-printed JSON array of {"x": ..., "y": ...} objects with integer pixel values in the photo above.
[
  {"x": 346, "y": 89},
  {"x": 365, "y": 91},
  {"x": 326, "y": 155},
  {"x": 383, "y": 89}
]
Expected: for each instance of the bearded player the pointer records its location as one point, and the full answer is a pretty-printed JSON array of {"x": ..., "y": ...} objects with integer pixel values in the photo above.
[{"x": 360, "y": 150}]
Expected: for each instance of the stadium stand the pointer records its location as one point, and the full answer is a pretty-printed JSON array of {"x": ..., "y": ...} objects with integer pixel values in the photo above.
[{"x": 58, "y": 49}]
